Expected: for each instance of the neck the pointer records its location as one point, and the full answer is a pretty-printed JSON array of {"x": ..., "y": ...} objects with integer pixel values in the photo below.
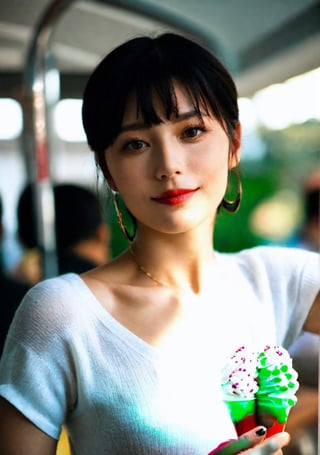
[{"x": 183, "y": 267}]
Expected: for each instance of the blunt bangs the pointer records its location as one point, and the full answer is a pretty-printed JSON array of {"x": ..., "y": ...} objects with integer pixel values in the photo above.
[{"x": 145, "y": 67}]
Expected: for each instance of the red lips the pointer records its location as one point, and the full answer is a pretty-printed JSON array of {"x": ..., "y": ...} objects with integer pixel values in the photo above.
[{"x": 174, "y": 197}]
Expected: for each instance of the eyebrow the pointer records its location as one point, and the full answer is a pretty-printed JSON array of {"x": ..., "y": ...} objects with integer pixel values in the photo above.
[{"x": 179, "y": 118}]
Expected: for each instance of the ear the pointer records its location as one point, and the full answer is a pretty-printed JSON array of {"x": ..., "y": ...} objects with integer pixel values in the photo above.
[{"x": 235, "y": 147}]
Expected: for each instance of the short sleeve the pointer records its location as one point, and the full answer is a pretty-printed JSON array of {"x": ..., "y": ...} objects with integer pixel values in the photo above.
[{"x": 290, "y": 278}]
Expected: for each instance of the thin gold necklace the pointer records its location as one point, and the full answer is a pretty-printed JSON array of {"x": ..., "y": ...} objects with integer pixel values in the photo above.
[{"x": 149, "y": 275}]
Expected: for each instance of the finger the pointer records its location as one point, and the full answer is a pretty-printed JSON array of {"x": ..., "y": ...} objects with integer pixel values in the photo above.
[
  {"x": 272, "y": 445},
  {"x": 245, "y": 441},
  {"x": 254, "y": 436}
]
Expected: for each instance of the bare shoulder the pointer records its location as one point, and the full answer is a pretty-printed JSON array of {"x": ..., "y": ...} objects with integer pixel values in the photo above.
[
  {"x": 113, "y": 282},
  {"x": 101, "y": 282}
]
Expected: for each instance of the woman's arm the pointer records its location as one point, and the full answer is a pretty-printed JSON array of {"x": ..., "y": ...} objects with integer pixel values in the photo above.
[
  {"x": 18, "y": 436},
  {"x": 312, "y": 323}
]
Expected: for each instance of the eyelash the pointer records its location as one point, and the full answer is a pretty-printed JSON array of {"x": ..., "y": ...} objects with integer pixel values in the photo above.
[
  {"x": 200, "y": 127},
  {"x": 130, "y": 145}
]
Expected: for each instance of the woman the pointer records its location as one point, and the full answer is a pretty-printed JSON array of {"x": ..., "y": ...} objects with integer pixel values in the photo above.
[{"x": 128, "y": 355}]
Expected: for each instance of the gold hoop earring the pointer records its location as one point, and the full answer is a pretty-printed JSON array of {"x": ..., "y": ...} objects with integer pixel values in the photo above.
[
  {"x": 125, "y": 232},
  {"x": 233, "y": 205}
]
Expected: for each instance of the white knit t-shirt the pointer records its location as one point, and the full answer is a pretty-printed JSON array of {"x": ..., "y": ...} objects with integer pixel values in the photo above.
[{"x": 67, "y": 361}]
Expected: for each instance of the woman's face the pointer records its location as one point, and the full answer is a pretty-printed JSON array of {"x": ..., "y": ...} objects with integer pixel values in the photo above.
[{"x": 172, "y": 176}]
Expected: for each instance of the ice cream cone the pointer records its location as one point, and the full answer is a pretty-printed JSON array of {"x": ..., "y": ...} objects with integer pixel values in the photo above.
[
  {"x": 277, "y": 387},
  {"x": 239, "y": 386},
  {"x": 273, "y": 412},
  {"x": 242, "y": 413}
]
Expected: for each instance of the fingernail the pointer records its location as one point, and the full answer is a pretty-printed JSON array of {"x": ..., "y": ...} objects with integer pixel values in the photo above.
[{"x": 261, "y": 431}]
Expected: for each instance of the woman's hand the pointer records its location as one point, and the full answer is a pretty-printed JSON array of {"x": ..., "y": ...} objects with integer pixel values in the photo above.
[{"x": 253, "y": 443}]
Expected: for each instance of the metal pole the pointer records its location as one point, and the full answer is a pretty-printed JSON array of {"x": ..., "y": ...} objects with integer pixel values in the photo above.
[{"x": 37, "y": 104}]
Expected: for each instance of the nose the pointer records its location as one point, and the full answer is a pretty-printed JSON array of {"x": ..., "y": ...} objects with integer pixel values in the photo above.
[
  {"x": 168, "y": 162},
  {"x": 167, "y": 175}
]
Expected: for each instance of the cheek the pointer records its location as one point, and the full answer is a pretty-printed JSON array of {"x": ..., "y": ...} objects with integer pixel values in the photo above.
[
  {"x": 126, "y": 179},
  {"x": 213, "y": 160},
  {"x": 212, "y": 167},
  {"x": 116, "y": 173}
]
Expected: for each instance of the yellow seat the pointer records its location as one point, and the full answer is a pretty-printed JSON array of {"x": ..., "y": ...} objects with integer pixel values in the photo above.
[{"x": 63, "y": 447}]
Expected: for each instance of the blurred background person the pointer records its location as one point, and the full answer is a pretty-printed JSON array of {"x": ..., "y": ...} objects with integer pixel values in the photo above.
[
  {"x": 82, "y": 236},
  {"x": 303, "y": 421},
  {"x": 309, "y": 236},
  {"x": 29, "y": 267},
  {"x": 11, "y": 293},
  {"x": 306, "y": 349}
]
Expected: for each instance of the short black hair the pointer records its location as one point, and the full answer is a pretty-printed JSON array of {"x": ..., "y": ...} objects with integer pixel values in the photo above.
[{"x": 145, "y": 65}]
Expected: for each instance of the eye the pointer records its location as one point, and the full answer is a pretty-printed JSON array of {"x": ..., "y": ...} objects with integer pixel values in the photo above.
[
  {"x": 193, "y": 131},
  {"x": 135, "y": 145}
]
